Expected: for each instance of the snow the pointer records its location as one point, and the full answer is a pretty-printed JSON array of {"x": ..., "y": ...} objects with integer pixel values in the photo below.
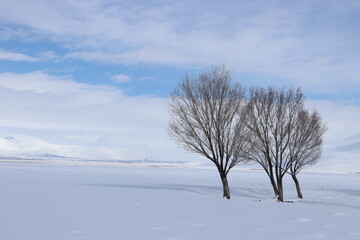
[{"x": 56, "y": 201}]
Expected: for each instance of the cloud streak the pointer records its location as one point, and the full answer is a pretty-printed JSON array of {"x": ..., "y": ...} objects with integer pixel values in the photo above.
[
  {"x": 11, "y": 56},
  {"x": 120, "y": 78}
]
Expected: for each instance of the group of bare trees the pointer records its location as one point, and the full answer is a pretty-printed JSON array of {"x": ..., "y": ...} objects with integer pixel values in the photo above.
[{"x": 214, "y": 117}]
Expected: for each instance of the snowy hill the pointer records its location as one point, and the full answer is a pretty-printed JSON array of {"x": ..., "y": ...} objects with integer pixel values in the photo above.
[
  {"x": 19, "y": 147},
  {"x": 14, "y": 146}
]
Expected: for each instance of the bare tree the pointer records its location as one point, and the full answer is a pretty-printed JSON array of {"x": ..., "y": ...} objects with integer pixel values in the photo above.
[
  {"x": 306, "y": 143},
  {"x": 206, "y": 118},
  {"x": 271, "y": 117}
]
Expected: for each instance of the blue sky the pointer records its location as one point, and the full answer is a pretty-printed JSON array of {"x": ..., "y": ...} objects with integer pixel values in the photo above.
[{"x": 116, "y": 58}]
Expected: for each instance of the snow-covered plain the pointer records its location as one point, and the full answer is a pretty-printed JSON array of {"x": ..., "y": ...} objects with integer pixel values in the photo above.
[{"x": 43, "y": 201}]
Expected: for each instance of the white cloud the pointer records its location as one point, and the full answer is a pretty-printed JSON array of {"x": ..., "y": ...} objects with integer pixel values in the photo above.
[
  {"x": 8, "y": 33},
  {"x": 342, "y": 120},
  {"x": 86, "y": 120},
  {"x": 11, "y": 56},
  {"x": 342, "y": 139},
  {"x": 121, "y": 78},
  {"x": 40, "y": 82},
  {"x": 274, "y": 40}
]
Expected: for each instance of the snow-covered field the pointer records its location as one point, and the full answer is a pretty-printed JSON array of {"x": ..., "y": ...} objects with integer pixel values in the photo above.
[{"x": 42, "y": 201}]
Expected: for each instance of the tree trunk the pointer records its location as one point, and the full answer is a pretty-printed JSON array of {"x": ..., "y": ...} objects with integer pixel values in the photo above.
[
  {"x": 226, "y": 189},
  {"x": 297, "y": 186},
  {"x": 280, "y": 190},
  {"x": 272, "y": 180},
  {"x": 273, "y": 183}
]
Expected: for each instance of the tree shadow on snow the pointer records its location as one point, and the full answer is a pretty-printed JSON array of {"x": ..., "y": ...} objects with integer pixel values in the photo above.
[{"x": 203, "y": 190}]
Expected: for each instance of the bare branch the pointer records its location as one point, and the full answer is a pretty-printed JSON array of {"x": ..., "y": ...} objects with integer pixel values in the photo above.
[{"x": 206, "y": 118}]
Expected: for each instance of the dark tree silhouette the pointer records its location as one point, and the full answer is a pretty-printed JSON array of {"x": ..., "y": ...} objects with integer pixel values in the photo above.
[
  {"x": 306, "y": 143},
  {"x": 206, "y": 118},
  {"x": 271, "y": 117}
]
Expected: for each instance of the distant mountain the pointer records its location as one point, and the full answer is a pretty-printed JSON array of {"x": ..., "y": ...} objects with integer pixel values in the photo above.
[
  {"x": 21, "y": 147},
  {"x": 29, "y": 156},
  {"x": 14, "y": 146}
]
